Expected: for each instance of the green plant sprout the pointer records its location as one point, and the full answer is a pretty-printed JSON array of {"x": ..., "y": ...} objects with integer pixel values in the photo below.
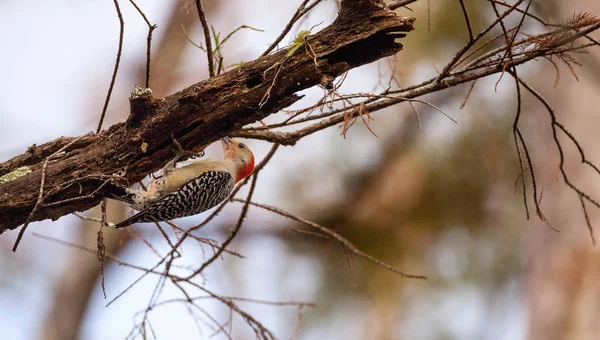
[{"x": 297, "y": 42}]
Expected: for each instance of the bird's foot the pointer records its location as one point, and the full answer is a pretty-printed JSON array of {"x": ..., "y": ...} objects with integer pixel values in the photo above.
[{"x": 179, "y": 153}]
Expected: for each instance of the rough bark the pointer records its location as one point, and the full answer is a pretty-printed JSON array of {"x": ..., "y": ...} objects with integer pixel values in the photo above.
[{"x": 363, "y": 32}]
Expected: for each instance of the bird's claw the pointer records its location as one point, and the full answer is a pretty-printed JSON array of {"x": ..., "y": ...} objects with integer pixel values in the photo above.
[{"x": 180, "y": 152}]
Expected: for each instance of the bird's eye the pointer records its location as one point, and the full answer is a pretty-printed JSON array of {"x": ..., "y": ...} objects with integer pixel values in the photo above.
[{"x": 241, "y": 146}]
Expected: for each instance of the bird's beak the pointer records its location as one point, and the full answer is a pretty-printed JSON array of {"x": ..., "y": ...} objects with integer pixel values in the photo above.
[{"x": 226, "y": 142}]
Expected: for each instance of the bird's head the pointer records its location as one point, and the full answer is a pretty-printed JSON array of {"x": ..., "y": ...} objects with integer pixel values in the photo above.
[{"x": 240, "y": 155}]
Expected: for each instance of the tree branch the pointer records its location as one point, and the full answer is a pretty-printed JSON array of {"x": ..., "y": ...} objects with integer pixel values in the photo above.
[{"x": 363, "y": 32}]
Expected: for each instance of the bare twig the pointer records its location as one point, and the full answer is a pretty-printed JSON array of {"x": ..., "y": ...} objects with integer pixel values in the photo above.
[
  {"x": 471, "y": 42},
  {"x": 587, "y": 219},
  {"x": 116, "y": 69},
  {"x": 207, "y": 38},
  {"x": 399, "y": 3},
  {"x": 35, "y": 208},
  {"x": 100, "y": 254},
  {"x": 468, "y": 95},
  {"x": 302, "y": 9},
  {"x": 235, "y": 298},
  {"x": 517, "y": 135},
  {"x": 555, "y": 125},
  {"x": 40, "y": 197},
  {"x": 509, "y": 41},
  {"x": 467, "y": 19},
  {"x": 151, "y": 29},
  {"x": 335, "y": 236}
]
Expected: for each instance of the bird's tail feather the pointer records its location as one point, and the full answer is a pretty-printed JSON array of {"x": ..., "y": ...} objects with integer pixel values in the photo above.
[{"x": 133, "y": 219}]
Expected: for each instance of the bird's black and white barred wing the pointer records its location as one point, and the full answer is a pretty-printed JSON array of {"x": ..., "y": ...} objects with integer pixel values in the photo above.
[{"x": 196, "y": 196}]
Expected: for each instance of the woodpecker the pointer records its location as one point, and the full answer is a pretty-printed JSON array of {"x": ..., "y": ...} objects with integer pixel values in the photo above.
[{"x": 192, "y": 189}]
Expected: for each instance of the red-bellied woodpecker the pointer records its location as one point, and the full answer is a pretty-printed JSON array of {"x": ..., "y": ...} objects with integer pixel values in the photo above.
[{"x": 192, "y": 189}]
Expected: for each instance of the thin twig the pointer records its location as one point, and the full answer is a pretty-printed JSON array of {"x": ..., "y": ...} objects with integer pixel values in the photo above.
[
  {"x": 467, "y": 19},
  {"x": 555, "y": 124},
  {"x": 151, "y": 29},
  {"x": 335, "y": 236},
  {"x": 587, "y": 219},
  {"x": 207, "y": 39},
  {"x": 509, "y": 41},
  {"x": 399, "y": 3},
  {"x": 100, "y": 244},
  {"x": 287, "y": 28},
  {"x": 116, "y": 69},
  {"x": 517, "y": 135},
  {"x": 471, "y": 42},
  {"x": 35, "y": 208},
  {"x": 40, "y": 197}
]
